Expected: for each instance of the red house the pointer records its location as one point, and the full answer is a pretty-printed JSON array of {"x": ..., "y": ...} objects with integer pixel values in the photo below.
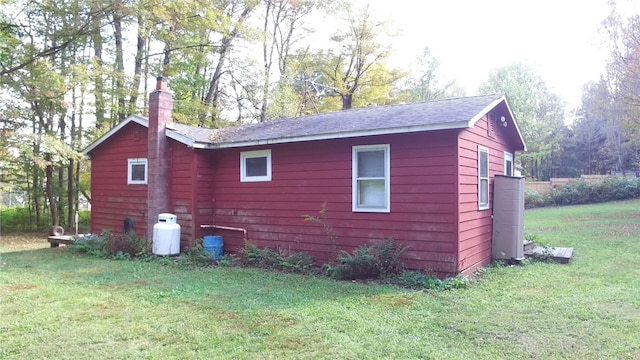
[{"x": 420, "y": 172}]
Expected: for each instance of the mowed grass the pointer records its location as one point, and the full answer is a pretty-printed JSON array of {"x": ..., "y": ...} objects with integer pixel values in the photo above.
[{"x": 57, "y": 304}]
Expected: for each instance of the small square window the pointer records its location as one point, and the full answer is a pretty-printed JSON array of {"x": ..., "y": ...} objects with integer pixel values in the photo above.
[
  {"x": 137, "y": 171},
  {"x": 255, "y": 166}
]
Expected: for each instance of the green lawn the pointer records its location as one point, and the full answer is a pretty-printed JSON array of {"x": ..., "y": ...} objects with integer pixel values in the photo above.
[{"x": 59, "y": 305}]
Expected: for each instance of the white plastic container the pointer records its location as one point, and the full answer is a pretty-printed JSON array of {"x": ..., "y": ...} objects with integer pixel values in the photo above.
[{"x": 166, "y": 235}]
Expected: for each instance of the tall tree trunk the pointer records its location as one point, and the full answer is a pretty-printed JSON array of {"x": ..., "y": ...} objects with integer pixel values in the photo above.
[
  {"x": 347, "y": 99},
  {"x": 71, "y": 193},
  {"x": 137, "y": 70},
  {"x": 267, "y": 58},
  {"x": 60, "y": 198},
  {"x": 96, "y": 39},
  {"x": 211, "y": 99},
  {"x": 120, "y": 90}
]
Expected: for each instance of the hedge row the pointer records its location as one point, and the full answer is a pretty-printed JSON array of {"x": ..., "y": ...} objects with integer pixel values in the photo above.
[
  {"x": 18, "y": 219},
  {"x": 583, "y": 192}
]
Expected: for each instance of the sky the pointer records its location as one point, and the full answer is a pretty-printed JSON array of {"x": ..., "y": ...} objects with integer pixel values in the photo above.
[{"x": 560, "y": 39}]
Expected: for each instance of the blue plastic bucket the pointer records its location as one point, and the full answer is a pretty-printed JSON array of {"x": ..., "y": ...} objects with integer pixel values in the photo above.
[{"x": 213, "y": 245}]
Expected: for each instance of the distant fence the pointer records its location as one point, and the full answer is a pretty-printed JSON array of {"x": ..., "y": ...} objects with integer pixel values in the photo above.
[{"x": 546, "y": 186}]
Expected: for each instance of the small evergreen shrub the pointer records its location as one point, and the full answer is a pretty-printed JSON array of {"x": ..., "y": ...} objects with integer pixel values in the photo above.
[
  {"x": 375, "y": 261},
  {"x": 276, "y": 259},
  {"x": 195, "y": 256}
]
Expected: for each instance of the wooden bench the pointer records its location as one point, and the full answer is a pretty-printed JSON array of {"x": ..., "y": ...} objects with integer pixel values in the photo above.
[{"x": 56, "y": 240}]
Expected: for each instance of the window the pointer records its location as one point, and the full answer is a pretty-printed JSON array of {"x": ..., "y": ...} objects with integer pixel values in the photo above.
[
  {"x": 370, "y": 188},
  {"x": 508, "y": 164},
  {"x": 255, "y": 166},
  {"x": 137, "y": 171},
  {"x": 483, "y": 178}
]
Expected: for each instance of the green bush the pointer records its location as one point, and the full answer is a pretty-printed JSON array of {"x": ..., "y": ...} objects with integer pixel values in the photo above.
[
  {"x": 84, "y": 220},
  {"x": 418, "y": 280},
  {"x": 94, "y": 245},
  {"x": 369, "y": 261},
  {"x": 582, "y": 192},
  {"x": 196, "y": 256},
  {"x": 276, "y": 259},
  {"x": 16, "y": 219},
  {"x": 107, "y": 244}
]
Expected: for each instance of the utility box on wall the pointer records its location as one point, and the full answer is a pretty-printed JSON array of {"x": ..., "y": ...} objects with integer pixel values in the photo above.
[{"x": 508, "y": 218}]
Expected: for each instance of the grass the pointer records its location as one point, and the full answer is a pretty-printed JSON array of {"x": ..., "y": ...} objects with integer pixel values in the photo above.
[{"x": 57, "y": 304}]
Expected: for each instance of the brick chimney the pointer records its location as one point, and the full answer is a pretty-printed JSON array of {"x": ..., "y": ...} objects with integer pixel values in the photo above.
[{"x": 158, "y": 156}]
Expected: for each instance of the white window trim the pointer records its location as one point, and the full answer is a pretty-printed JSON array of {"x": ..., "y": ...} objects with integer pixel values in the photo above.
[
  {"x": 254, "y": 154},
  {"x": 482, "y": 206},
  {"x": 137, "y": 161},
  {"x": 508, "y": 157},
  {"x": 387, "y": 178}
]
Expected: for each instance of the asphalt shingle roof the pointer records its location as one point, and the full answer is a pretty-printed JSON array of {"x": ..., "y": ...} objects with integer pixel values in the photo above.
[
  {"x": 448, "y": 113},
  {"x": 454, "y": 113}
]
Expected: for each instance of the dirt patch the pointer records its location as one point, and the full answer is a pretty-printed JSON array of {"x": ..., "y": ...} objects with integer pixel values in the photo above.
[
  {"x": 22, "y": 241},
  {"x": 543, "y": 229},
  {"x": 629, "y": 215},
  {"x": 11, "y": 288},
  {"x": 393, "y": 300}
]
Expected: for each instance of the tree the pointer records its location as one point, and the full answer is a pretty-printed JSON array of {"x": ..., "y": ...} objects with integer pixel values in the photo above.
[
  {"x": 346, "y": 70},
  {"x": 623, "y": 70},
  {"x": 590, "y": 130},
  {"x": 282, "y": 29},
  {"x": 540, "y": 115},
  {"x": 424, "y": 83},
  {"x": 15, "y": 55}
]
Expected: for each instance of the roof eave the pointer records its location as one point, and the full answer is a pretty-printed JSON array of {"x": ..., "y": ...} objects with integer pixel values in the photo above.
[
  {"x": 340, "y": 135},
  {"x": 492, "y": 105},
  {"x": 515, "y": 124},
  {"x": 173, "y": 134}
]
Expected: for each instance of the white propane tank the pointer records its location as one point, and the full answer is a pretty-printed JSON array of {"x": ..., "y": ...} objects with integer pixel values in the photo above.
[{"x": 166, "y": 235}]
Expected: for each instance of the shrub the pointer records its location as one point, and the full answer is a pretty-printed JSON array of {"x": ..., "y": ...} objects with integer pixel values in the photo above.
[
  {"x": 17, "y": 219},
  {"x": 196, "y": 256},
  {"x": 84, "y": 220},
  {"x": 582, "y": 192},
  {"x": 534, "y": 199},
  {"x": 369, "y": 261},
  {"x": 418, "y": 280},
  {"x": 94, "y": 245},
  {"x": 107, "y": 244},
  {"x": 276, "y": 259},
  {"x": 125, "y": 244}
]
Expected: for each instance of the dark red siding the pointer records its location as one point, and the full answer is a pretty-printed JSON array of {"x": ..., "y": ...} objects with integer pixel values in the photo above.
[
  {"x": 307, "y": 175},
  {"x": 111, "y": 198},
  {"x": 475, "y": 226}
]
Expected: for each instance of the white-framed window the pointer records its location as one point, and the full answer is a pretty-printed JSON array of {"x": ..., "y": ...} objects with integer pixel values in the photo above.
[
  {"x": 483, "y": 178},
  {"x": 371, "y": 180},
  {"x": 508, "y": 163},
  {"x": 255, "y": 165},
  {"x": 137, "y": 171}
]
